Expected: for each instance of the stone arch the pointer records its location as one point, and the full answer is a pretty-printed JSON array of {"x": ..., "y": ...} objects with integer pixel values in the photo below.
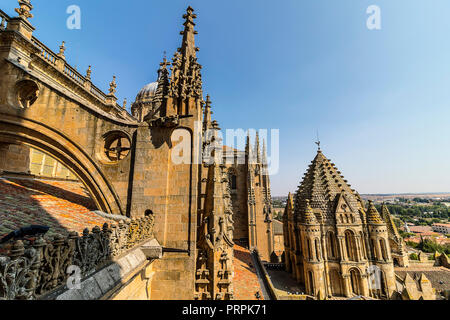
[
  {"x": 337, "y": 288},
  {"x": 373, "y": 249},
  {"x": 350, "y": 245},
  {"x": 396, "y": 262},
  {"x": 383, "y": 284},
  {"x": 16, "y": 130},
  {"x": 317, "y": 247},
  {"x": 309, "y": 249},
  {"x": 363, "y": 245},
  {"x": 355, "y": 281},
  {"x": 383, "y": 249},
  {"x": 331, "y": 245},
  {"x": 311, "y": 283}
]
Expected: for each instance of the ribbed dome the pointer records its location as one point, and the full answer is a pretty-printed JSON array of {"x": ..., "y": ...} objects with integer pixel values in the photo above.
[{"x": 147, "y": 92}]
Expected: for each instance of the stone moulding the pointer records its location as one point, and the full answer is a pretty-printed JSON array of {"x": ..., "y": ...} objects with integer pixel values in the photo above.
[{"x": 35, "y": 269}]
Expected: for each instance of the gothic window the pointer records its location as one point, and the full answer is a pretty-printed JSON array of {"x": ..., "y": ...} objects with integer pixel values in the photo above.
[
  {"x": 336, "y": 283},
  {"x": 355, "y": 281},
  {"x": 233, "y": 182},
  {"x": 373, "y": 248},
  {"x": 350, "y": 243},
  {"x": 232, "y": 179},
  {"x": 311, "y": 282},
  {"x": 27, "y": 93},
  {"x": 384, "y": 291},
  {"x": 331, "y": 243},
  {"x": 363, "y": 245},
  {"x": 117, "y": 146},
  {"x": 383, "y": 249},
  {"x": 317, "y": 245},
  {"x": 310, "y": 253}
]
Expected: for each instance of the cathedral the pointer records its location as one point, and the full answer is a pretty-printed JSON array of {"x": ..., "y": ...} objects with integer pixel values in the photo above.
[
  {"x": 336, "y": 245},
  {"x": 156, "y": 176},
  {"x": 158, "y": 211}
]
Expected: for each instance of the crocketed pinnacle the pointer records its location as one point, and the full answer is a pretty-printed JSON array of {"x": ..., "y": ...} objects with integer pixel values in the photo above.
[
  {"x": 308, "y": 215},
  {"x": 373, "y": 216},
  {"x": 188, "y": 48},
  {"x": 386, "y": 216}
]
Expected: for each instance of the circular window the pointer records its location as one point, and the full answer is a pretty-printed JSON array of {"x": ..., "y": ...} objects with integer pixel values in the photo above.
[
  {"x": 117, "y": 146},
  {"x": 27, "y": 93}
]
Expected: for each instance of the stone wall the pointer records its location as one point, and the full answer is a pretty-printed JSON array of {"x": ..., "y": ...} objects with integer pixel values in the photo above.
[{"x": 14, "y": 158}]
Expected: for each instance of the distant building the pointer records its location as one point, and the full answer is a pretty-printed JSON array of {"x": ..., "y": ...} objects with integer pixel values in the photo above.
[
  {"x": 441, "y": 228},
  {"x": 420, "y": 229}
]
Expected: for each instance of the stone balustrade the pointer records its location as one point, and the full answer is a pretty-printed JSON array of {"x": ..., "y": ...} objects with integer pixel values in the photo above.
[
  {"x": 47, "y": 54},
  {"x": 50, "y": 57},
  {"x": 33, "y": 269},
  {"x": 4, "y": 19}
]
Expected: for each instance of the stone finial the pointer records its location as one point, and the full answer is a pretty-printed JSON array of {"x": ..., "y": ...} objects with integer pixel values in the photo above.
[
  {"x": 309, "y": 217},
  {"x": 24, "y": 10},
  {"x": 208, "y": 101},
  {"x": 372, "y": 214},
  {"x": 125, "y": 103},
  {"x": 62, "y": 49},
  {"x": 113, "y": 86},
  {"x": 88, "y": 73},
  {"x": 190, "y": 15}
]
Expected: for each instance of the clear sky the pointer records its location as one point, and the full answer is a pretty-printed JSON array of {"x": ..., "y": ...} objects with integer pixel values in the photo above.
[{"x": 380, "y": 99}]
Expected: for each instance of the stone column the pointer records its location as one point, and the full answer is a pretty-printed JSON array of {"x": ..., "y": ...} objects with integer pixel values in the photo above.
[
  {"x": 378, "y": 248},
  {"x": 359, "y": 255},
  {"x": 342, "y": 248},
  {"x": 347, "y": 285},
  {"x": 365, "y": 285}
]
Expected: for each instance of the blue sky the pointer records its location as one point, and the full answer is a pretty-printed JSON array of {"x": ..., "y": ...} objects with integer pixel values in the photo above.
[{"x": 380, "y": 99}]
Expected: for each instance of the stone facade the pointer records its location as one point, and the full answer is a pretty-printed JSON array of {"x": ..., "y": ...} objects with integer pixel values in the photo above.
[
  {"x": 129, "y": 162},
  {"x": 335, "y": 245},
  {"x": 251, "y": 197}
]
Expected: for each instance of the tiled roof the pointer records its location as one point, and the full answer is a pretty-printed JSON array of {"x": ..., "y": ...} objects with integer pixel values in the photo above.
[
  {"x": 438, "y": 276},
  {"x": 63, "y": 206},
  {"x": 420, "y": 229},
  {"x": 245, "y": 281},
  {"x": 321, "y": 185}
]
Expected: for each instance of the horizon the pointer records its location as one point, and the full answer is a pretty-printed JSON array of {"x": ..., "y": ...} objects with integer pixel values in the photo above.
[{"x": 377, "y": 97}]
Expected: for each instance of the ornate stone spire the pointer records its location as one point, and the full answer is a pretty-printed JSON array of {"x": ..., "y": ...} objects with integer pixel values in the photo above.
[
  {"x": 24, "y": 10},
  {"x": 249, "y": 150},
  {"x": 257, "y": 148},
  {"x": 124, "y": 104},
  {"x": 207, "y": 113},
  {"x": 186, "y": 79},
  {"x": 188, "y": 48}
]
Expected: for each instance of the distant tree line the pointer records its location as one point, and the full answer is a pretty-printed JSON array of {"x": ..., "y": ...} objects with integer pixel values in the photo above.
[
  {"x": 407, "y": 213},
  {"x": 430, "y": 246}
]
